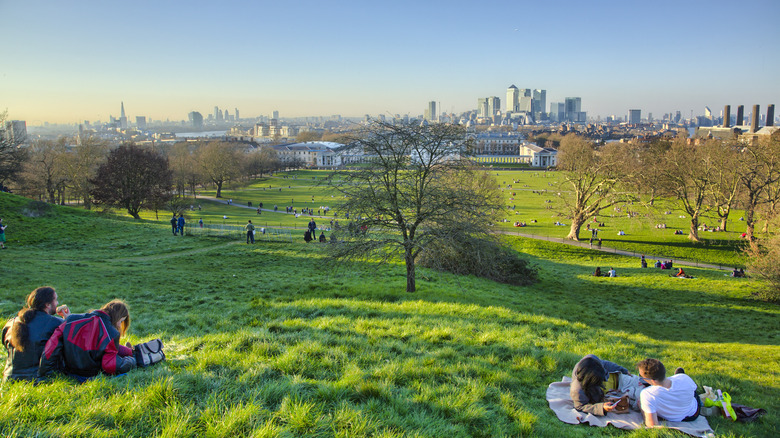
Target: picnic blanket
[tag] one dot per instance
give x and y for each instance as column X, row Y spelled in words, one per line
column 560, row 402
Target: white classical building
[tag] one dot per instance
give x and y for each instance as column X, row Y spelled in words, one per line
column 538, row 156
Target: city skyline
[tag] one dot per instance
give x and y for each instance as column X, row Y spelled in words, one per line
column 66, row 63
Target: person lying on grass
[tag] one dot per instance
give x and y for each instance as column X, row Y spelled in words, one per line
column 673, row 398
column 88, row 343
column 25, row 335
column 588, row 377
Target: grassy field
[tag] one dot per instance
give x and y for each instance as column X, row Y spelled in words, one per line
column 530, row 195
column 275, row 340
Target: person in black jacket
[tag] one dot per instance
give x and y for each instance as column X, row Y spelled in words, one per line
column 586, row 386
column 89, row 343
column 25, row 335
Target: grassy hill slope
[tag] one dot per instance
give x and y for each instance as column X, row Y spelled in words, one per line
column 274, row 340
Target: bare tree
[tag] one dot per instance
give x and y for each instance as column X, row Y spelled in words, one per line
column 187, row 173
column 12, row 156
column 80, row 165
column 589, row 179
column 758, row 169
column 687, row 175
column 220, row 162
column 725, row 180
column 416, row 188
column 43, row 174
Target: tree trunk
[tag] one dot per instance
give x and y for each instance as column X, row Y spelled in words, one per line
column 219, row 189
column 694, row 234
column 723, row 220
column 410, row 274
column 574, row 231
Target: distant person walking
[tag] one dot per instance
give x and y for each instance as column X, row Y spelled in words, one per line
column 174, row 225
column 2, row 234
column 250, row 232
column 181, row 223
column 313, row 227
column 200, row 222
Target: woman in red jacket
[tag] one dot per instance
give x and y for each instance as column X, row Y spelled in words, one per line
column 88, row 343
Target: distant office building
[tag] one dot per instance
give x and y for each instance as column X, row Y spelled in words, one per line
column 16, row 132
column 275, row 115
column 573, row 110
column 707, row 113
column 539, row 103
column 237, row 117
column 220, row 116
column 196, row 120
column 557, row 112
column 488, row 107
column 512, row 99
column 634, row 116
column 140, row 122
column 482, row 107
column 216, row 113
column 430, row 112
column 524, row 102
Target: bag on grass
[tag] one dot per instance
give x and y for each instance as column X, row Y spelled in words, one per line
column 149, row 353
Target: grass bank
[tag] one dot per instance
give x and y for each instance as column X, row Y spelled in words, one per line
column 273, row 340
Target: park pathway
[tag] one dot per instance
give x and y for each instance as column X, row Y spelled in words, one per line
column 611, row 250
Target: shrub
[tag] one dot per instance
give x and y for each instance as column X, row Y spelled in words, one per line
column 480, row 257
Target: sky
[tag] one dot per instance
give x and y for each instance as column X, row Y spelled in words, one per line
column 66, row 62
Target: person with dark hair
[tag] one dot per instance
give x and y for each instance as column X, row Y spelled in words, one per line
column 89, row 343
column 598, row 272
column 174, row 225
column 180, row 224
column 671, row 398
column 250, row 232
column 586, row 389
column 25, row 335
column 312, row 227
column 323, row 239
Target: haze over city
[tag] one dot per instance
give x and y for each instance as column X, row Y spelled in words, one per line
column 70, row 62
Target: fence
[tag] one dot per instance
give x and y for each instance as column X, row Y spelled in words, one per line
column 238, row 232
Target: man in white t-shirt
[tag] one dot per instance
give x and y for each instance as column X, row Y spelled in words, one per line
column 670, row 398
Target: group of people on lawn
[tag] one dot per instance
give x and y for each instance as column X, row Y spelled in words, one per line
column 45, row 338
column 656, row 395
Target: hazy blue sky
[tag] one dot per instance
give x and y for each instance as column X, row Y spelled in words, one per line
column 71, row 61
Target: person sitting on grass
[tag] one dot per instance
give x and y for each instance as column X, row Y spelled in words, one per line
column 25, row 335
column 598, row 272
column 681, row 273
column 670, row 398
column 89, row 343
column 323, row 239
column 612, row 273
column 587, row 380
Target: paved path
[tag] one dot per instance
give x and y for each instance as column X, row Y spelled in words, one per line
column 533, row 236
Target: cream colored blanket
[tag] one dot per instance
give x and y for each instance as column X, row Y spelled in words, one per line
column 560, row 402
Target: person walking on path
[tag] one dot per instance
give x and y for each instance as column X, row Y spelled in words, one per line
column 250, row 232
column 181, row 224
column 174, row 225
column 2, row 234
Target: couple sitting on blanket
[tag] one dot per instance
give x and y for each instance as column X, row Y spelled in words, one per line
column 658, row 397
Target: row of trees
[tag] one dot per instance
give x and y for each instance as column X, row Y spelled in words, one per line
column 56, row 171
column 708, row 178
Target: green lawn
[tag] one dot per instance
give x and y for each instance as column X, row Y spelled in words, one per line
column 275, row 340
column 532, row 194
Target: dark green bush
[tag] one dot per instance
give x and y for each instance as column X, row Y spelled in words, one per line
column 485, row 258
